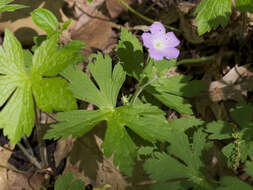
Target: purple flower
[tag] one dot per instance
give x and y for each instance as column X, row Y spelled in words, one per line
column 159, row 43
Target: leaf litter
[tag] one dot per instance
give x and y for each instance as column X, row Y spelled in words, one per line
column 226, row 82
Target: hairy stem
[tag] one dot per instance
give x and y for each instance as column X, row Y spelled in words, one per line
column 140, row 89
column 146, row 18
column 42, row 144
column 29, row 156
column 28, row 146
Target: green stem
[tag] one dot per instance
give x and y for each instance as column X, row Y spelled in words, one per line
column 30, row 157
column 27, row 144
column 12, row 169
column 197, row 60
column 146, row 18
column 140, row 89
column 42, row 145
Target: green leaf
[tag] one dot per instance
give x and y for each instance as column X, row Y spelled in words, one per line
column 11, row 8
column 171, row 91
column 164, row 167
column 50, row 60
column 249, row 168
column 130, row 53
column 242, row 114
column 45, row 20
column 76, row 122
column 145, row 150
column 17, row 116
column 185, row 164
column 211, row 14
column 181, row 85
column 172, row 101
column 233, row 183
column 219, row 130
column 28, row 56
column 145, row 120
column 118, row 141
column 17, row 87
column 109, row 82
column 185, row 123
column 244, row 5
column 4, row 2
column 65, row 25
column 52, row 94
column 66, row 182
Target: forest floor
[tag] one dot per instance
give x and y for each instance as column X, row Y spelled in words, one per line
column 226, row 61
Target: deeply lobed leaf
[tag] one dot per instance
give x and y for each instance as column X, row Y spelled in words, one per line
column 21, row 80
column 212, row 13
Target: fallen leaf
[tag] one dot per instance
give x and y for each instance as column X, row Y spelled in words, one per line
column 115, row 7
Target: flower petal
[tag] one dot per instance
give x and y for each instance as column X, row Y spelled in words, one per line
column 157, row 27
column 171, row 40
column 156, row 54
column 147, row 40
column 171, row 53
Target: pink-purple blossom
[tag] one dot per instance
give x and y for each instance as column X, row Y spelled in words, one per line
column 159, row 43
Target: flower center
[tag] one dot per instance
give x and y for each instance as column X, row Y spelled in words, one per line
column 158, row 44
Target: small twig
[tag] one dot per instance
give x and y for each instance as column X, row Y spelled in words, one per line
column 146, row 18
column 12, row 169
column 42, row 145
column 30, row 157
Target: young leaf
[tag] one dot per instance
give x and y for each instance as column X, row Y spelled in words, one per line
column 164, row 168
column 244, row 5
column 12, row 7
column 66, row 182
column 45, row 20
column 145, row 120
column 211, row 14
column 17, row 86
column 130, row 53
column 65, row 25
